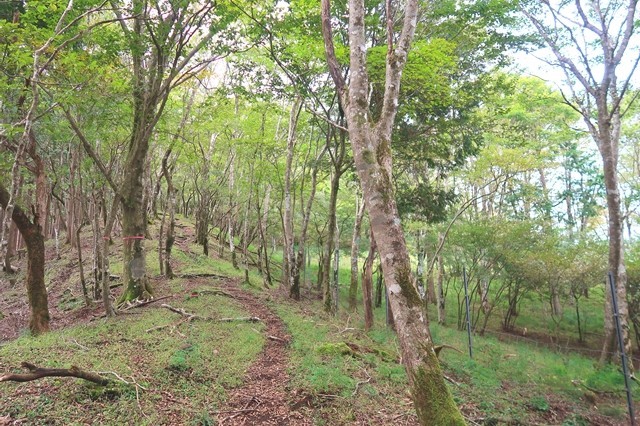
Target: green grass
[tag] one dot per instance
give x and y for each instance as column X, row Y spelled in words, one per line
column 345, row 375
column 193, row 363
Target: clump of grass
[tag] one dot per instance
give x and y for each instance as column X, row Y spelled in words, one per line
column 196, row 369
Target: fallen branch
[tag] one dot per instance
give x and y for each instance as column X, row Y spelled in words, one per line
column 450, row 380
column 36, row 373
column 222, row 277
column 191, row 316
column 355, row 391
column 215, row 292
column 143, row 303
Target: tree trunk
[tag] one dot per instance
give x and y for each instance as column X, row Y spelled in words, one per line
column 106, row 240
column 134, row 219
column 36, row 290
column 367, row 284
column 98, row 205
column 355, row 253
column 264, row 218
column 233, row 207
column 297, row 271
column 440, row 293
column 289, row 263
column 609, row 131
column 327, row 296
column 11, row 248
column 371, row 146
column 171, row 210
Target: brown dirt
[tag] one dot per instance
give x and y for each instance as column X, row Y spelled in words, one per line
column 263, row 398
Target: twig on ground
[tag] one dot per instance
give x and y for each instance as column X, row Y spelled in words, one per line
column 355, row 391
column 449, row 379
column 79, row 345
column 143, row 303
column 215, row 292
column 191, row 316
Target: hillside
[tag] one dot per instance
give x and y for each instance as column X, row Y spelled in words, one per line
column 240, row 354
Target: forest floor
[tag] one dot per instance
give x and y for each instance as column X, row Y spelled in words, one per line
column 296, row 366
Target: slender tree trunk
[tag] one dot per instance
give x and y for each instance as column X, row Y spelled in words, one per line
column 289, row 264
column 171, row 210
column 327, row 297
column 161, row 239
column 106, row 241
column 11, row 248
column 440, row 293
column 83, row 280
column 355, row 253
column 379, row 287
column 420, row 265
column 264, row 218
column 98, row 205
column 233, row 208
column 608, row 131
column 367, row 284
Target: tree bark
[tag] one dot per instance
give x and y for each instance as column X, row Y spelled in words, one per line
column 367, row 284
column 440, row 292
column 36, row 290
column 371, row 146
column 297, row 270
column 355, row 253
column 289, row 264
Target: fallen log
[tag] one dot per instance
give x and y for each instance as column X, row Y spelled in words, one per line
column 36, row 373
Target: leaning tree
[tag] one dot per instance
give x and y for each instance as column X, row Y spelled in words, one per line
column 370, row 139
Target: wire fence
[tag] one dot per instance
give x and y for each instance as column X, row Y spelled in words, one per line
column 558, row 347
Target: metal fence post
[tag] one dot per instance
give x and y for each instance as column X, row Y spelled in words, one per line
column 623, row 355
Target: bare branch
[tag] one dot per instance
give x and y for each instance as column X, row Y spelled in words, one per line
column 332, row 60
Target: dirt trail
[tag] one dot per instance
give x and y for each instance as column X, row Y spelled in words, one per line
column 263, row 399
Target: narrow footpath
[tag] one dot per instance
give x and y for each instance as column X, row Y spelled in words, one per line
column 263, row 398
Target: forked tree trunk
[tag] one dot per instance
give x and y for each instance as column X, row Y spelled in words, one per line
column 599, row 103
column 371, row 145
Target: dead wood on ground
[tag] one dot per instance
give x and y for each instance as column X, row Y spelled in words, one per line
column 36, row 373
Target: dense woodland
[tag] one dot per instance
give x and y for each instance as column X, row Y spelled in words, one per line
column 411, row 143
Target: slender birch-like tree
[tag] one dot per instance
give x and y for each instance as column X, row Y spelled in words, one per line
column 371, row 144
column 591, row 43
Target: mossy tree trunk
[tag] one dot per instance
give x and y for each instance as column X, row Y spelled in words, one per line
column 371, row 146
column 31, row 232
column 162, row 48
